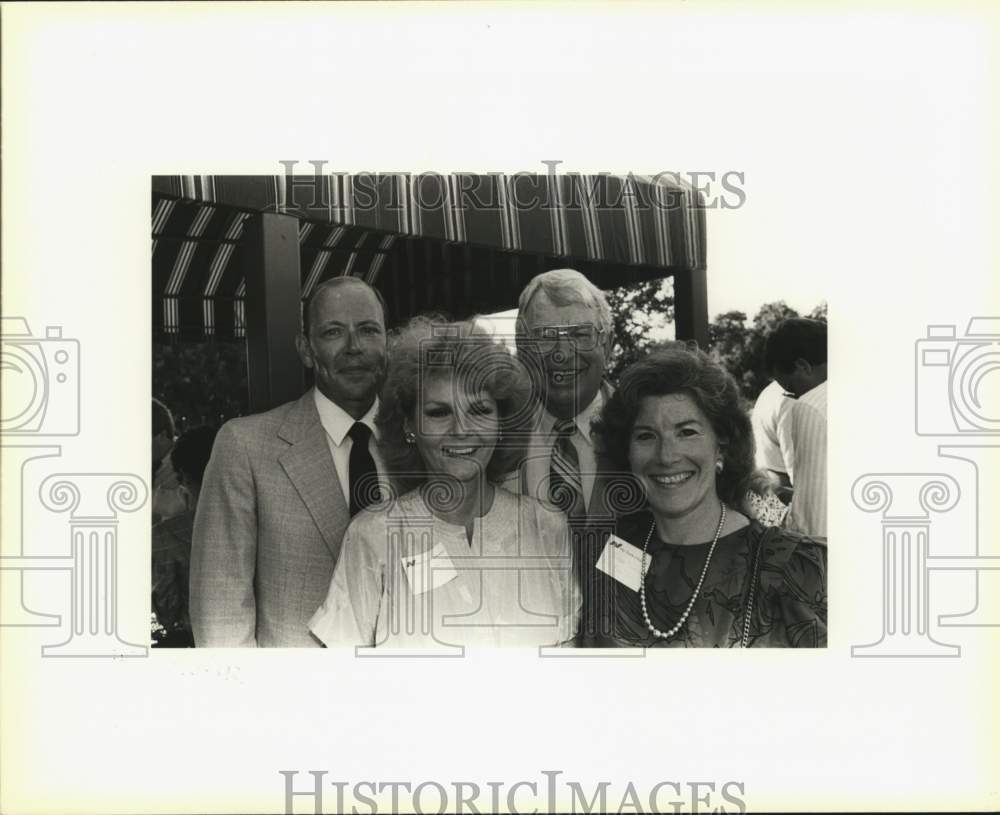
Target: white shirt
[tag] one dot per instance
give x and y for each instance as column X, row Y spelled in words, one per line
column 582, row 441
column 807, row 426
column 768, row 417
column 337, row 422
column 407, row 579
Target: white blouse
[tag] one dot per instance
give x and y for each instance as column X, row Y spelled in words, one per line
column 407, row 579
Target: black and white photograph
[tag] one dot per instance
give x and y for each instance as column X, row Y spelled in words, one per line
column 515, row 374
column 499, row 407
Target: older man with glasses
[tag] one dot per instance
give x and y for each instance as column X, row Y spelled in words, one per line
column 564, row 338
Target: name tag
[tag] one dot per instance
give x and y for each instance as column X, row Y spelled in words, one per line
column 622, row 561
column 428, row 570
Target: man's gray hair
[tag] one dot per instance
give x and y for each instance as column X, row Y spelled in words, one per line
column 564, row 287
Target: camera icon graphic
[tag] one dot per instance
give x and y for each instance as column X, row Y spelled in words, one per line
column 41, row 381
column 958, row 380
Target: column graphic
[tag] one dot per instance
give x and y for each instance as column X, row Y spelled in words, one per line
column 14, row 561
column 93, row 501
column 906, row 501
column 985, row 611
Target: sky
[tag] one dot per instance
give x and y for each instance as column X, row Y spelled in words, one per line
column 749, row 262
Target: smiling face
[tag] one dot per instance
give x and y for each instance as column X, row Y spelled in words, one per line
column 567, row 373
column 346, row 346
column 673, row 451
column 456, row 431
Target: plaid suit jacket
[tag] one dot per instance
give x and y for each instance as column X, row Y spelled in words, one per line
column 268, row 530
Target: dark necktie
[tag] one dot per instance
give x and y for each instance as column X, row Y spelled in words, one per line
column 362, row 475
column 565, row 483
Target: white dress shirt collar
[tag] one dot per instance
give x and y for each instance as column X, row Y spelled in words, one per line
column 337, row 422
column 547, row 421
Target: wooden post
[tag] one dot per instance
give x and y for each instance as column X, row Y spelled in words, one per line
column 691, row 306
column 271, row 261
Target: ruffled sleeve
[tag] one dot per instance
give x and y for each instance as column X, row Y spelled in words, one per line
column 350, row 613
column 792, row 593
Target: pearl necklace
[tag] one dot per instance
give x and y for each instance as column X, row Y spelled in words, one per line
column 642, row 582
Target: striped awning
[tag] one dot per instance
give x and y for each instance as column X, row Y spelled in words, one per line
column 456, row 244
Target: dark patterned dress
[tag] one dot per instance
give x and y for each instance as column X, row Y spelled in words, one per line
column 789, row 607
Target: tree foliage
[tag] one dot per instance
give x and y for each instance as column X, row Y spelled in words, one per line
column 201, row 382
column 740, row 348
column 642, row 315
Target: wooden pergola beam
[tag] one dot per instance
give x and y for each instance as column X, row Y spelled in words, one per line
column 691, row 306
column 271, row 260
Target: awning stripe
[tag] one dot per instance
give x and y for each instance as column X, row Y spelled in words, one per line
column 661, row 221
column 635, row 247
column 280, row 194
column 448, row 205
column 459, row 207
column 403, row 200
column 320, row 263
column 198, row 188
column 235, row 229
column 690, row 243
column 352, row 258
column 219, row 263
column 187, row 251
column 586, row 186
column 373, row 272
column 342, row 199
column 315, row 272
column 509, row 213
column 161, row 214
column 208, row 315
column 506, row 231
column 239, row 318
column 416, row 217
column 557, row 216
column 484, row 236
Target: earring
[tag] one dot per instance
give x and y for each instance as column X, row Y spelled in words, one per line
column 410, row 437
column 718, row 466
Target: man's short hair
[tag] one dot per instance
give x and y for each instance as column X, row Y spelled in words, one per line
column 162, row 419
column 335, row 283
column 564, row 287
column 795, row 338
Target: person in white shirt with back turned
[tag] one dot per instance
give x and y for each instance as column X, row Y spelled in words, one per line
column 769, row 412
column 795, row 355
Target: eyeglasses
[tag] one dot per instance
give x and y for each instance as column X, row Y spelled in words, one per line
column 582, row 336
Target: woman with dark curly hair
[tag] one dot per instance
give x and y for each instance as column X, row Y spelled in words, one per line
column 690, row 568
column 450, row 558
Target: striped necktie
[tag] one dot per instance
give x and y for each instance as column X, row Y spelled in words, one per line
column 565, row 484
